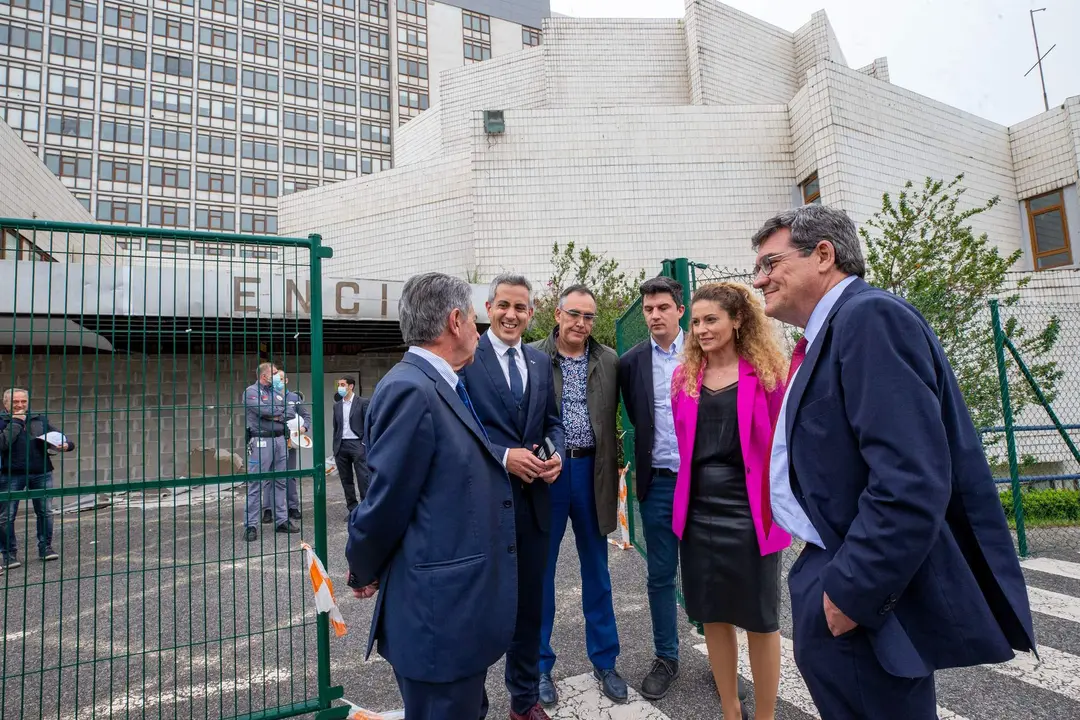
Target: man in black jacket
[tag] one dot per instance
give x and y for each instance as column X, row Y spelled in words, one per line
column 350, row 455
column 25, row 463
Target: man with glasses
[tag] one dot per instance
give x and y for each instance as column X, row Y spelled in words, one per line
column 587, row 491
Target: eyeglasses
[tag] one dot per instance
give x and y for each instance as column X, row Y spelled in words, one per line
column 578, row 315
column 768, row 262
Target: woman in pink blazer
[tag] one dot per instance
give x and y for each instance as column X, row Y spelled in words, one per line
column 726, row 396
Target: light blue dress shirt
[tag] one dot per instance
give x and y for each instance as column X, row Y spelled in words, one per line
column 665, row 447
column 441, row 366
column 787, row 513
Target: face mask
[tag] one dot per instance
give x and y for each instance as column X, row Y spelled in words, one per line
column 341, row 391
column 278, row 383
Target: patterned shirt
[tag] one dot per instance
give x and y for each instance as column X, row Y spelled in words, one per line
column 575, row 408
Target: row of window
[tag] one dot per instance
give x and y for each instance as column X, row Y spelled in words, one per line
column 123, row 210
column 69, row 165
column 261, row 11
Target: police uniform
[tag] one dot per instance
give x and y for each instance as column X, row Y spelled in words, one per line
column 265, row 420
column 294, row 405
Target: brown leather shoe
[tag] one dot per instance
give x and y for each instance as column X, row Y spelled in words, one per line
column 536, row 712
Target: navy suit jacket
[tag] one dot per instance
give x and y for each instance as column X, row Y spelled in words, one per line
column 638, row 396
column 356, row 419
column 436, row 529
column 886, row 462
column 490, row 395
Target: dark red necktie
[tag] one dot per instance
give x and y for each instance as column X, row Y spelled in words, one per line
column 797, row 357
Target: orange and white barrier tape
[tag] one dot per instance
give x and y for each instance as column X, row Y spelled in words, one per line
column 323, row 588
column 624, row 526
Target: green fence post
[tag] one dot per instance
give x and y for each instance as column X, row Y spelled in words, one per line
column 679, row 270
column 1010, row 433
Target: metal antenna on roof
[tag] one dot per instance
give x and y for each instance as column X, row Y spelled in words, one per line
column 1038, row 63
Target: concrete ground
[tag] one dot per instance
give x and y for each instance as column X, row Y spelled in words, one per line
column 161, row 610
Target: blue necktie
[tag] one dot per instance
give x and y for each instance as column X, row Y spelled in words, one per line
column 517, row 388
column 468, row 403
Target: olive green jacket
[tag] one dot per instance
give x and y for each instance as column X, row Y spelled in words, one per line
column 603, row 399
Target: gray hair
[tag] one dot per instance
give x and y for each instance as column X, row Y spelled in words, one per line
column 579, row 289
column 511, row 280
column 12, row 392
column 426, row 302
column 263, row 368
column 809, row 225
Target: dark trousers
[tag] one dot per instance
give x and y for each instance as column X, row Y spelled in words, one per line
column 523, row 656
column 352, row 464
column 843, row 675
column 573, row 499
column 663, row 564
column 459, row 700
column 9, row 510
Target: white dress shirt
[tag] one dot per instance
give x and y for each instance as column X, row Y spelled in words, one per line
column 346, row 412
column 500, row 349
column 441, row 366
column 786, row 510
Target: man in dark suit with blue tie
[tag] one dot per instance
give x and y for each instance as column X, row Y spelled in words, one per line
column 908, row 565
column 512, row 387
column 434, row 537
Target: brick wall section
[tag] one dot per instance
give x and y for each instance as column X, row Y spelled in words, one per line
column 419, row 139
column 1043, row 153
column 599, row 63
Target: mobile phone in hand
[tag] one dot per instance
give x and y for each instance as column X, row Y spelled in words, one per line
column 546, row 451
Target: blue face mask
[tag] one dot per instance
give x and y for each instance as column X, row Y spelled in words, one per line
column 342, row 391
column 278, row 383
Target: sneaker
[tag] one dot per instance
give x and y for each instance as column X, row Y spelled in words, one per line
column 288, row 527
column 268, row 517
column 657, row 683
column 295, row 514
column 49, row 554
column 12, row 564
column 251, row 534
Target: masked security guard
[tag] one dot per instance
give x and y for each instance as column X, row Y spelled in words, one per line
column 264, row 405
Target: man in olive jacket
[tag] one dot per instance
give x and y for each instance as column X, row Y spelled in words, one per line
column 587, row 491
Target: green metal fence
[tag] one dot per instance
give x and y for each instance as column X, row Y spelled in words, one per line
column 137, row 345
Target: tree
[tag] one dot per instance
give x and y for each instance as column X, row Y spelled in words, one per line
column 922, row 248
column 615, row 291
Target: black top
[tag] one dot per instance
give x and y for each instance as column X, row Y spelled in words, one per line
column 717, row 439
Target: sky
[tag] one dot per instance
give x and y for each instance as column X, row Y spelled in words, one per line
column 971, row 54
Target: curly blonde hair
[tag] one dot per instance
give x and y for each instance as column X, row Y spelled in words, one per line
column 755, row 341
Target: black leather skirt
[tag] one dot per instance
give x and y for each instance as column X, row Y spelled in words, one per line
column 724, row 577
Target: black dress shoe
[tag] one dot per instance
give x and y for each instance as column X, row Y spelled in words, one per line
column 549, row 696
column 613, row 686
column 657, row 683
column 295, row 514
column 268, row 517
column 288, row 527
column 251, row 534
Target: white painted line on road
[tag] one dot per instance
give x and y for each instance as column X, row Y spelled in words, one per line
column 1048, row 602
column 1056, row 671
column 580, row 699
column 1061, row 568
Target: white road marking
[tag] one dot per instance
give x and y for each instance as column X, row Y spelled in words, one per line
column 580, row 699
column 1048, row 602
column 1061, row 568
column 1056, row 671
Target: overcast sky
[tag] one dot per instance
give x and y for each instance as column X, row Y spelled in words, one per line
column 971, row 54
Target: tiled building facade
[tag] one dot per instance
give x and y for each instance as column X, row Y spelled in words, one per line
column 201, row 113
column 648, row 139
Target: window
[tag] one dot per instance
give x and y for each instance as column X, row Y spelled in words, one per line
column 413, row 7
column 175, row 65
column 119, row 211
column 343, row 4
column 302, row 54
column 476, row 52
column 295, row 185
column 119, row 171
column 168, row 215
column 125, row 56
column 20, row 119
column 301, row 155
column 530, row 37
column 71, row 85
column 301, row 88
column 125, row 18
column 260, row 115
column 375, row 133
column 375, row 8
column 474, row 22
column 300, row 22
column 374, row 101
column 339, row 62
column 123, row 93
column 260, row 80
column 261, row 46
column 38, row 5
column 171, row 101
column 68, row 124
column 811, row 190
column 1049, row 230
column 342, row 161
column 217, row 145
column 381, row 39
column 221, row 6
column 67, row 165
column 170, row 138
column 173, row 28
column 220, row 109
column 413, row 100
column 73, row 46
column 412, row 68
column 214, row 218
column 259, row 186
column 20, row 37
column 338, row 94
column 122, row 132
column 19, row 78
column 170, row 177
column 217, row 37
column 75, row 10
column 215, row 182
column 258, row 223
column 257, row 150
column 301, row 122
column 215, row 72
column 339, row 127
column 374, row 69
column 261, row 13
column 338, row 30
column 413, row 38
column 370, row 164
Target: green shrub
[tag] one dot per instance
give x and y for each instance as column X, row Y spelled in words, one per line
column 1051, row 506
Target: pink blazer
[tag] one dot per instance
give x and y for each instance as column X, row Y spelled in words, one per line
column 758, row 411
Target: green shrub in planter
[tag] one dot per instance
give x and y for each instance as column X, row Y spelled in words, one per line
column 1049, row 506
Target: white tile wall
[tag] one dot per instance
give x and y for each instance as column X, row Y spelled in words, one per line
column 1043, row 154
column 29, row 189
column 419, row 139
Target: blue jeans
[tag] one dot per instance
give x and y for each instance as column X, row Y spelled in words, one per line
column 572, row 498
column 42, row 509
column 662, row 558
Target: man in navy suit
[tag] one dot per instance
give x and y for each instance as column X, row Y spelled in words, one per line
column 434, row 536
column 908, row 565
column 512, row 387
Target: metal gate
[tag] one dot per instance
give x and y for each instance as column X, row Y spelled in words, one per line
column 136, row 346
